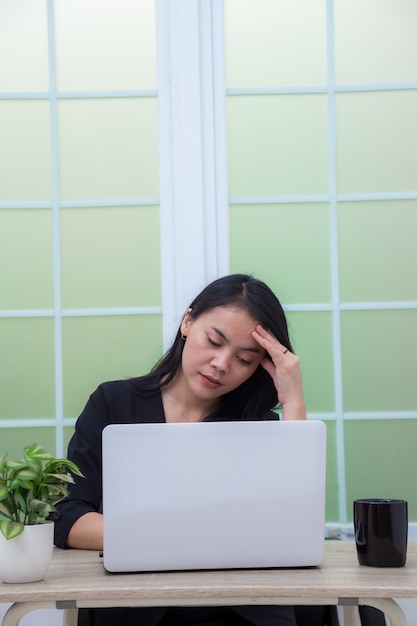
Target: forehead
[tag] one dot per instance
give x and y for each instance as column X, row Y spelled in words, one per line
column 232, row 325
column 230, row 318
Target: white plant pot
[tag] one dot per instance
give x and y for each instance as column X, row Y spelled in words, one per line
column 26, row 558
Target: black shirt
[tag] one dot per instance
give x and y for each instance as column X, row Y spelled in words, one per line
column 119, row 402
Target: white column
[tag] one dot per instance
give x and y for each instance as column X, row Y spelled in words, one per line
column 192, row 145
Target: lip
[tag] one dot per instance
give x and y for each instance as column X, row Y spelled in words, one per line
column 210, row 381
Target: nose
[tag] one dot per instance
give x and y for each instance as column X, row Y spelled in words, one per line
column 221, row 360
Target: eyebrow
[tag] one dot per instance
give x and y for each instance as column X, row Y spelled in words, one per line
column 255, row 349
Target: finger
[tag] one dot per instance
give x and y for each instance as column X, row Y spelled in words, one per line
column 269, row 367
column 268, row 341
column 264, row 337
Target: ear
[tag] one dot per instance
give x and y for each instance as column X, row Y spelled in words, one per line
column 185, row 324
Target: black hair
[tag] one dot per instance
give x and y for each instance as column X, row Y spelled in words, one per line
column 256, row 396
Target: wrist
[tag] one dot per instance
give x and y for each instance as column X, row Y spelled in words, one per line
column 294, row 411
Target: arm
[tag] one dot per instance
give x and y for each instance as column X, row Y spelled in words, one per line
column 284, row 369
column 78, row 521
column 87, row 532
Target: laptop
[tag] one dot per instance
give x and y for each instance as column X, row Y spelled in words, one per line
column 213, row 495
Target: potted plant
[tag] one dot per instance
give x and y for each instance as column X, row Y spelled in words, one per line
column 29, row 490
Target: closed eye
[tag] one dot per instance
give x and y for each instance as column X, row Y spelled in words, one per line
column 244, row 361
column 212, row 342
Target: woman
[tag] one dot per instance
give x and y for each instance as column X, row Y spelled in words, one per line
column 231, row 360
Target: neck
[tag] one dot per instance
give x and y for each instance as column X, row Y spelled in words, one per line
column 180, row 407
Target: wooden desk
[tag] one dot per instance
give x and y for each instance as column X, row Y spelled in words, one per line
column 76, row 578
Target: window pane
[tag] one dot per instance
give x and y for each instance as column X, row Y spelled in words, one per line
column 27, row 376
column 378, row 255
column 104, row 252
column 96, row 349
column 26, row 259
column 381, row 461
column 332, row 482
column 108, row 148
column 25, row 165
column 379, row 360
column 375, row 42
column 376, row 141
column 102, row 44
column 270, row 43
column 13, row 440
column 23, row 45
column 311, row 334
column 287, row 244
column 277, row 145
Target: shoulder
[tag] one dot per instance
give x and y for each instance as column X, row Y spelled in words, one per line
column 122, row 402
column 114, row 388
column 108, row 393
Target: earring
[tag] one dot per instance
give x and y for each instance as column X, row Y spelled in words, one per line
column 183, row 337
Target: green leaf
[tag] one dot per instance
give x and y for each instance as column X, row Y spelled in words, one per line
column 56, row 492
column 36, row 451
column 41, row 508
column 3, row 462
column 20, row 502
column 13, row 465
column 11, row 529
column 54, row 478
column 5, row 510
column 63, row 466
column 27, row 473
column 3, row 490
column 20, row 484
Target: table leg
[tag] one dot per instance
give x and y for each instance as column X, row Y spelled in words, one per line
column 388, row 606
column 350, row 615
column 70, row 617
column 18, row 610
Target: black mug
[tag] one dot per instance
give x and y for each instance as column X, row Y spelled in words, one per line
column 381, row 531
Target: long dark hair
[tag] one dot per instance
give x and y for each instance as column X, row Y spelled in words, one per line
column 256, row 396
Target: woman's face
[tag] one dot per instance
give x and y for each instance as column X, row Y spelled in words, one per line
column 219, row 352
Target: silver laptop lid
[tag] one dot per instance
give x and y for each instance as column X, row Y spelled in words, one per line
column 213, row 495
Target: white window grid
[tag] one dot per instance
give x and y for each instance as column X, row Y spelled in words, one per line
column 57, row 313
column 333, row 198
